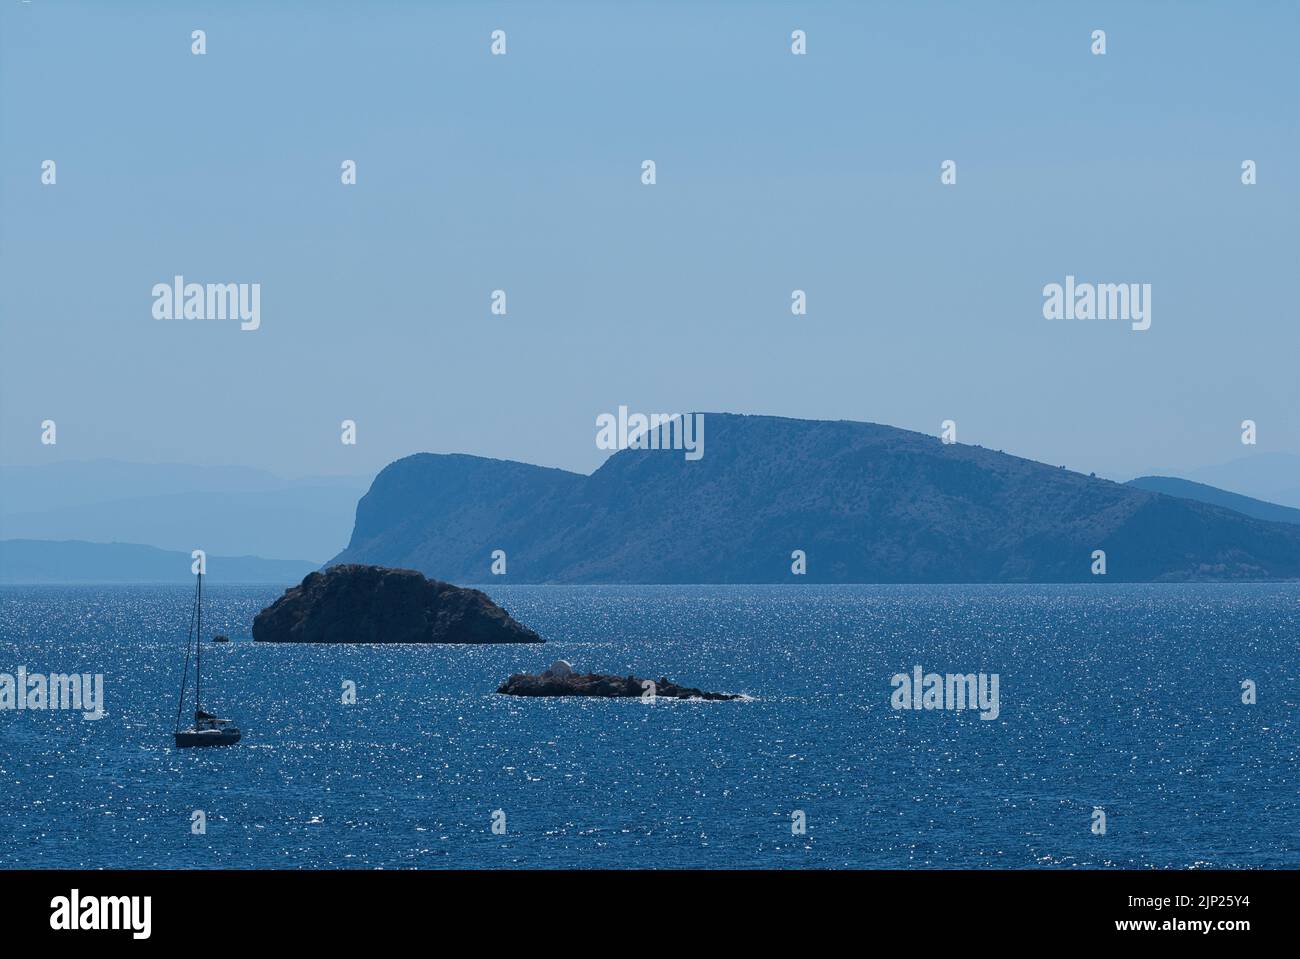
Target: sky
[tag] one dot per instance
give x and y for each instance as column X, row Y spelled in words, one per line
column 523, row 172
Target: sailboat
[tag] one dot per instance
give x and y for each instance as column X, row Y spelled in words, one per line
column 208, row 730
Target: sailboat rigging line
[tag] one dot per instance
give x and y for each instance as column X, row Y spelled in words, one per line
column 180, row 704
column 198, row 654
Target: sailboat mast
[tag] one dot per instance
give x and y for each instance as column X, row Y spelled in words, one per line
column 198, row 663
column 185, row 676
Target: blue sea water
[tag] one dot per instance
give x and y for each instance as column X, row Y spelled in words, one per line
column 1126, row 698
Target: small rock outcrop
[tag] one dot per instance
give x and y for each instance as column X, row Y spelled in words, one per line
column 374, row 604
column 555, row 682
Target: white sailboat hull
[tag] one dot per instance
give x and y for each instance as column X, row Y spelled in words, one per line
column 206, row 737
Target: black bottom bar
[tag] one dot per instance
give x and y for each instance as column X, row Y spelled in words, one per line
column 335, row 908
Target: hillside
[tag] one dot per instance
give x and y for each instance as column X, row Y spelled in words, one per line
column 867, row 503
column 1186, row 489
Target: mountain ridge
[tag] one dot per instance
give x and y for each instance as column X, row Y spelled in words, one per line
column 865, row 502
column 1205, row 493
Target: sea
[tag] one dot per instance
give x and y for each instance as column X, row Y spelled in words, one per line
column 1124, row 734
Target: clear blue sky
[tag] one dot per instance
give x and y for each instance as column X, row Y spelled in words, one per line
column 522, row 172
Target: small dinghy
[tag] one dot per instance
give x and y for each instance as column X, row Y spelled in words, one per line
column 220, row 638
column 207, row 730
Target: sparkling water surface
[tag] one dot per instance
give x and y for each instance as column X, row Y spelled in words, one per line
column 1126, row 698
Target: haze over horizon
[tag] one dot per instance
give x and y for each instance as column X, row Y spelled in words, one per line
column 477, row 172
column 1238, row 464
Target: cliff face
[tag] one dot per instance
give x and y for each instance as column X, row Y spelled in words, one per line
column 866, row 503
column 371, row 604
column 447, row 513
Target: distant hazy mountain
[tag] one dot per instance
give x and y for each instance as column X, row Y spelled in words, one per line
column 866, row 503
column 228, row 510
column 1272, row 477
column 1259, row 509
column 70, row 561
column 1290, row 497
